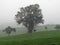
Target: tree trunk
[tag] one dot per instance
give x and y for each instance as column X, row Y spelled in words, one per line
column 30, row 27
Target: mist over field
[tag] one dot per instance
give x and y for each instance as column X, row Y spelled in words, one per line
column 29, row 22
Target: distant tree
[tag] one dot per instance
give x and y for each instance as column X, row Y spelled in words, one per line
column 8, row 30
column 57, row 27
column 30, row 16
column 46, row 27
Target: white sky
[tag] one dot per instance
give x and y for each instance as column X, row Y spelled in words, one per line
column 50, row 9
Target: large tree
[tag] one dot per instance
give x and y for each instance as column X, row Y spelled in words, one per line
column 30, row 16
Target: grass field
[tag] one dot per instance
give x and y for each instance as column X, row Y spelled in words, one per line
column 36, row 38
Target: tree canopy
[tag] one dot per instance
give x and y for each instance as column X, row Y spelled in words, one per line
column 29, row 16
column 8, row 30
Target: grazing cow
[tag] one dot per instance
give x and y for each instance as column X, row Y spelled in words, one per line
column 34, row 30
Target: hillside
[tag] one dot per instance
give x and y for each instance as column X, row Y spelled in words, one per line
column 37, row 38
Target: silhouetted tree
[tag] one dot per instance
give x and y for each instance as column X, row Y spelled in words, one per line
column 57, row 27
column 30, row 16
column 8, row 30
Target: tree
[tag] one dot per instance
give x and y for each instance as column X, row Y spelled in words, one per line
column 57, row 27
column 8, row 30
column 30, row 16
column 46, row 27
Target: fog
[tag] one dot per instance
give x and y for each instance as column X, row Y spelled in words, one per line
column 50, row 10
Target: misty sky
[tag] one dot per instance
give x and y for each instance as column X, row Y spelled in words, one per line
column 50, row 10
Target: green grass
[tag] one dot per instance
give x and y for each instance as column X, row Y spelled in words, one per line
column 37, row 38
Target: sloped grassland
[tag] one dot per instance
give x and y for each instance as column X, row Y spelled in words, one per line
column 37, row 38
